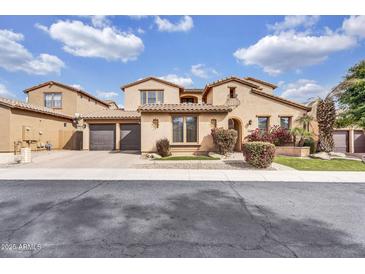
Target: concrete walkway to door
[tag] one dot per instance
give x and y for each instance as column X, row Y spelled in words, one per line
column 82, row 159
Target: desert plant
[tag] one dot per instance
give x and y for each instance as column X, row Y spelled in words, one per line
column 259, row 154
column 163, row 147
column 326, row 117
column 224, row 139
column 312, row 144
column 305, row 120
column 302, row 133
column 275, row 135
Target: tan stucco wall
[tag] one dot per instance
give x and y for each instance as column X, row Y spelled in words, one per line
column 4, row 129
column 132, row 97
column 264, row 87
column 43, row 127
column 150, row 134
column 253, row 105
column 72, row 101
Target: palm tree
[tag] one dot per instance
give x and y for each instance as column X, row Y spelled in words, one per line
column 305, row 120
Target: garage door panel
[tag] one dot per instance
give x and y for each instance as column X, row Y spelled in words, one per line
column 102, row 137
column 359, row 141
column 130, row 137
column 341, row 140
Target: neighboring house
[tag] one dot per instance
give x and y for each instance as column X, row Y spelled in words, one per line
column 155, row 109
column 346, row 140
column 50, row 115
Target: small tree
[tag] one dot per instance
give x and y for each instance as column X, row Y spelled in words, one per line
column 326, row 117
column 302, row 133
column 350, row 95
column 305, row 120
column 224, row 139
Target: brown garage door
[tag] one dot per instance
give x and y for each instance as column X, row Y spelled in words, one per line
column 341, row 138
column 102, row 137
column 359, row 141
column 130, row 137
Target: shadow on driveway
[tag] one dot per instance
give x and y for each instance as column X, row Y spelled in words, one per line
column 201, row 223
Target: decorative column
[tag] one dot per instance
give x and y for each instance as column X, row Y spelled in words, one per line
column 117, row 136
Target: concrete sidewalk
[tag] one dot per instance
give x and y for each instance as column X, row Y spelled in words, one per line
column 181, row 175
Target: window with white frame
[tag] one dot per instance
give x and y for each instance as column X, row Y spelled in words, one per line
column 53, row 100
column 152, row 97
column 185, row 129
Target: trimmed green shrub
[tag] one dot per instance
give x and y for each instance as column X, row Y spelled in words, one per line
column 259, row 154
column 163, row 147
column 224, row 139
column 312, row 144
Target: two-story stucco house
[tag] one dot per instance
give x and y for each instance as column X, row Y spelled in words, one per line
column 70, row 118
column 156, row 109
column 153, row 109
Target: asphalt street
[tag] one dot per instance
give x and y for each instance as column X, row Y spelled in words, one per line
column 86, row 218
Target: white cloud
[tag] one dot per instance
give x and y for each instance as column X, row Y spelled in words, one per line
column 140, row 31
column 303, row 89
column 4, row 92
column 201, row 71
column 106, row 94
column 181, row 81
column 77, row 86
column 185, row 24
column 294, row 21
column 355, row 25
column 107, row 42
column 15, row 57
column 292, row 51
column 100, row 21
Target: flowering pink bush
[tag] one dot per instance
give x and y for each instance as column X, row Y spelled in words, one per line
column 275, row 135
column 259, row 154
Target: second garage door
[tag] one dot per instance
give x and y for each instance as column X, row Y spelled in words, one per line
column 102, row 137
column 130, row 137
column 341, row 139
column 359, row 141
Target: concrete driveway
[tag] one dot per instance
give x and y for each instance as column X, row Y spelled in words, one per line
column 181, row 219
column 83, row 159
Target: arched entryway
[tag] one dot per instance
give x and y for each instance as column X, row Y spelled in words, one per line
column 234, row 123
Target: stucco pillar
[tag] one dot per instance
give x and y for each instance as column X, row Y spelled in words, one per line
column 351, row 141
column 85, row 137
column 117, row 136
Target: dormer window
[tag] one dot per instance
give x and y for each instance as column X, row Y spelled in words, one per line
column 53, row 100
column 152, row 97
column 232, row 92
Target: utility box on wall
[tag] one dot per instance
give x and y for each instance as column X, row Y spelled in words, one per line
column 27, row 133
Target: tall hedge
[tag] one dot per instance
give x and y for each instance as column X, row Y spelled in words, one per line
column 259, row 154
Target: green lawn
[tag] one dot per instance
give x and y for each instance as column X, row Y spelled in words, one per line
column 317, row 164
column 185, row 158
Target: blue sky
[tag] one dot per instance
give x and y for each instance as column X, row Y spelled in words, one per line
column 304, row 55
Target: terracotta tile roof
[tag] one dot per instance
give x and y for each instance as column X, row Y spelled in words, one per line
column 25, row 106
column 151, row 78
column 261, row 82
column 112, row 114
column 67, row 87
column 194, row 90
column 280, row 99
column 184, row 107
